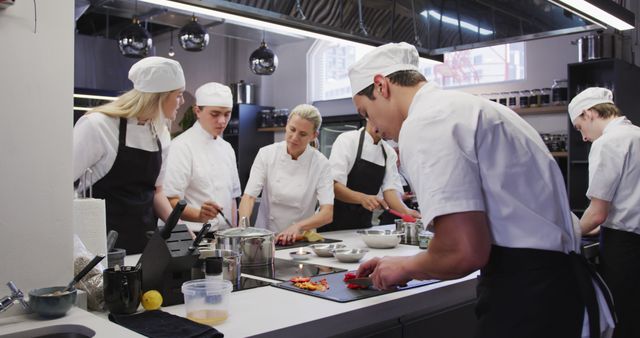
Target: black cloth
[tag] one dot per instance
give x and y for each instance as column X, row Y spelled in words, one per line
column 160, row 324
column 365, row 177
column 620, row 266
column 128, row 190
column 534, row 293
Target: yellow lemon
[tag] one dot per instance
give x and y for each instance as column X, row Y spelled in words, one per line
column 151, row 300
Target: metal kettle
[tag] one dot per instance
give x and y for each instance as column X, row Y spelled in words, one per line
column 243, row 92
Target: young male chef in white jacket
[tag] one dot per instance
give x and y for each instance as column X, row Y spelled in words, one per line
column 363, row 165
column 614, row 173
column 496, row 197
column 201, row 167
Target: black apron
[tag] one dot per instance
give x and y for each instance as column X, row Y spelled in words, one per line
column 536, row 293
column 620, row 266
column 128, row 190
column 365, row 177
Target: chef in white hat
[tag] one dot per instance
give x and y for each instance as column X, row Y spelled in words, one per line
column 495, row 195
column 201, row 167
column 125, row 143
column 614, row 173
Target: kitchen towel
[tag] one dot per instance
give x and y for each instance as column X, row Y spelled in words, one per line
column 90, row 224
column 160, row 324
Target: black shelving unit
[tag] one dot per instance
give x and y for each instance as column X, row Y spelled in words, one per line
column 245, row 138
column 622, row 78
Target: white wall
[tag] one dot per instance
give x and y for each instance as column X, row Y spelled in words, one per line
column 36, row 244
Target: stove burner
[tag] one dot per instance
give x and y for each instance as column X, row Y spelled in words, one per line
column 283, row 270
column 249, row 283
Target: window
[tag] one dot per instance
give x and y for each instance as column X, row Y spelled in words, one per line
column 329, row 63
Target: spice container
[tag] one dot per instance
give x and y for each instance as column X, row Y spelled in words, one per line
column 513, row 99
column 559, row 94
column 503, row 98
column 534, row 98
column 545, row 97
column 207, row 300
column 524, row 98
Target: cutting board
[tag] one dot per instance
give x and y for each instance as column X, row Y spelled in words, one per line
column 338, row 291
column 305, row 243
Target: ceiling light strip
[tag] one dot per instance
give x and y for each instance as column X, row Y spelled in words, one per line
column 97, row 97
column 592, row 12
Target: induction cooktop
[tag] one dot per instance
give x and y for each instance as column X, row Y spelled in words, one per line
column 283, row 270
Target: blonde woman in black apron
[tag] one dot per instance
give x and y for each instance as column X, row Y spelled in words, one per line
column 124, row 143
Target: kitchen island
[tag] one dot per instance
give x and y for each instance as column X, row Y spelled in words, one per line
column 273, row 312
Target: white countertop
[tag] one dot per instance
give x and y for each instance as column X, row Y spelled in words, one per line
column 266, row 309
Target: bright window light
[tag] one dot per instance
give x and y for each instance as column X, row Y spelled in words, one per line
column 582, row 7
column 453, row 21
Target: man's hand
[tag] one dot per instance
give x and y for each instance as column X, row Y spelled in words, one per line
column 386, row 273
column 372, row 202
column 289, row 235
column 208, row 210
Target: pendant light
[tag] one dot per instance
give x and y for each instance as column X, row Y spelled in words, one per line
column 134, row 41
column 263, row 61
column 193, row 37
column 171, row 52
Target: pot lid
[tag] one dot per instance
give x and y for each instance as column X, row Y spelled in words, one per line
column 245, row 232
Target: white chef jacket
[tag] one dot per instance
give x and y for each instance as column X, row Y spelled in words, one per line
column 343, row 157
column 614, row 173
column 290, row 188
column 95, row 144
column 201, row 168
column 481, row 156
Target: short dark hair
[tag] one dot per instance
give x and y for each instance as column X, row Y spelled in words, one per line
column 606, row 110
column 404, row 78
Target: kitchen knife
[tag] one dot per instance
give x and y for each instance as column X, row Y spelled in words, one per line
column 173, row 219
column 200, row 236
column 362, row 281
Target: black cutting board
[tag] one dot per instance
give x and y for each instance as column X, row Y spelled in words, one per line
column 298, row 244
column 338, row 291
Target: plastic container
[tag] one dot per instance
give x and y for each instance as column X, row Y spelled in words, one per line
column 424, row 237
column 207, row 300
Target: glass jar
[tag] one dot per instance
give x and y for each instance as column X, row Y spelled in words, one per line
column 494, row 97
column 513, row 99
column 534, row 98
column 503, row 98
column 545, row 97
column 524, row 98
column 559, row 94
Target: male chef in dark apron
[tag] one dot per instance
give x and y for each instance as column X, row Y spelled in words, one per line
column 614, row 173
column 495, row 195
column 363, row 165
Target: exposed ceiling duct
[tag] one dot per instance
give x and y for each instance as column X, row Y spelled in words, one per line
column 434, row 26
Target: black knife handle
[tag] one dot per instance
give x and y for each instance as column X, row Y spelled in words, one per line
column 200, row 236
column 87, row 268
column 173, row 219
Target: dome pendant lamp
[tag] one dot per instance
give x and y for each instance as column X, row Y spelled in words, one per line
column 134, row 41
column 263, row 61
column 193, row 37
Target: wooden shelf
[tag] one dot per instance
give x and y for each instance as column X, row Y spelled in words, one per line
column 271, row 129
column 559, row 154
column 541, row 110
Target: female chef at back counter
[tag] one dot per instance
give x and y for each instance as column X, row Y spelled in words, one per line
column 125, row 143
column 293, row 176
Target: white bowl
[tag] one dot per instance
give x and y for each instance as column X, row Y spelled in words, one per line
column 381, row 239
column 326, row 250
column 350, row 255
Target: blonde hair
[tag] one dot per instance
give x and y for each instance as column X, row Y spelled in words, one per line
column 137, row 104
column 309, row 113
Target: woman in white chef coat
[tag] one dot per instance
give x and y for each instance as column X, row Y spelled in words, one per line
column 363, row 166
column 614, row 173
column 201, row 167
column 480, row 158
column 124, row 143
column 293, row 177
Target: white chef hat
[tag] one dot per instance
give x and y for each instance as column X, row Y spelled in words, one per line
column 383, row 60
column 214, row 94
column 587, row 99
column 155, row 74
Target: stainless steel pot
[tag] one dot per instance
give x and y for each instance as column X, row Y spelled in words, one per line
column 597, row 46
column 410, row 229
column 231, row 265
column 243, row 92
column 257, row 246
